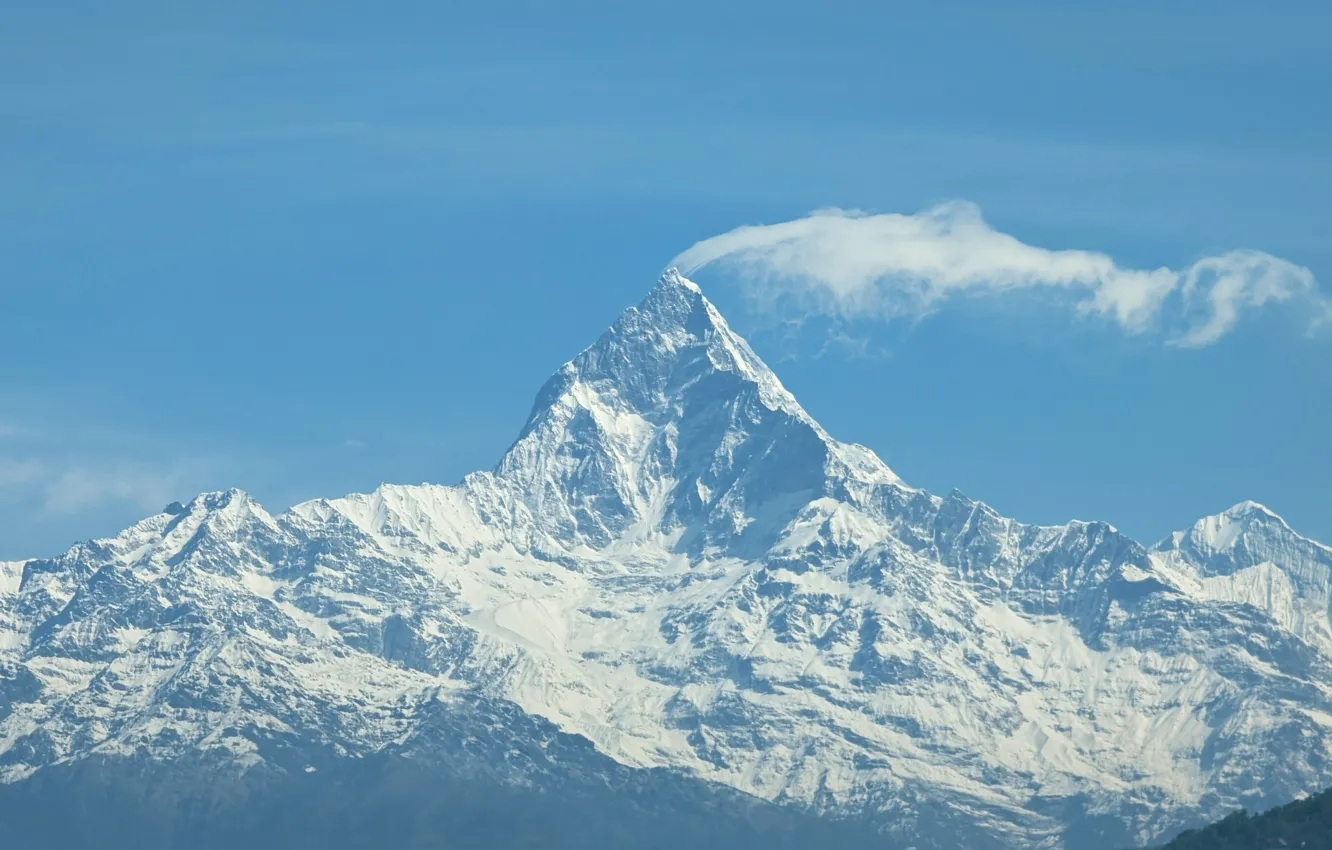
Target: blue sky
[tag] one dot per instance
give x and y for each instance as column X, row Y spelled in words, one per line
column 304, row 250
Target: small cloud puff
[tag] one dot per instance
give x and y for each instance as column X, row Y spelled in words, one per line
column 849, row 264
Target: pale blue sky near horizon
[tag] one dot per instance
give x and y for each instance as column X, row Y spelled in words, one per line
column 304, row 248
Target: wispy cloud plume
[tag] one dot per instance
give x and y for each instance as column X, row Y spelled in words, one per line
column 77, row 488
column 849, row 264
column 67, row 489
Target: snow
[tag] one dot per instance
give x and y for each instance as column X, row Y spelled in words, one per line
column 538, row 624
column 1217, row 532
column 1263, row 585
column 676, row 562
column 11, row 576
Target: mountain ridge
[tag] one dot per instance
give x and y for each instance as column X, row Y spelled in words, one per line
column 677, row 564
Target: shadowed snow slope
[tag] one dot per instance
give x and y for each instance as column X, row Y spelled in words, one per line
column 675, row 565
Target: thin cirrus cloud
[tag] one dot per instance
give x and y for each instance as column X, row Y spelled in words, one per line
column 849, row 264
column 67, row 489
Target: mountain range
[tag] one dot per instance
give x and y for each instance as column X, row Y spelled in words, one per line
column 677, row 612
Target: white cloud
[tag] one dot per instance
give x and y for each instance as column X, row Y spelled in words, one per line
column 67, row 489
column 79, row 488
column 19, row 473
column 849, row 264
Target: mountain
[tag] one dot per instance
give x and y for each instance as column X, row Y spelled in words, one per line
column 1250, row 555
column 676, row 600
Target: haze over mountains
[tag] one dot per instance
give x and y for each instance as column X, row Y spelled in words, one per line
column 676, row 603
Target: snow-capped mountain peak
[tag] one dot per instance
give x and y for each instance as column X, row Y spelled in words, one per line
column 1219, row 532
column 657, row 349
column 1249, row 554
column 1238, row 535
column 671, row 422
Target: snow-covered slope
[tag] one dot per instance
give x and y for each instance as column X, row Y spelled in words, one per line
column 675, row 562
